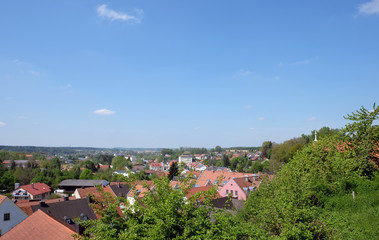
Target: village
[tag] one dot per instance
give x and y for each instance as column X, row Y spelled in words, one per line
column 64, row 208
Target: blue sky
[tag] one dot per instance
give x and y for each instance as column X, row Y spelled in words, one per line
column 183, row 73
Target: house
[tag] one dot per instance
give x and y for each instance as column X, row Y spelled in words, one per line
column 39, row 226
column 34, row 191
column 185, row 158
column 139, row 190
column 196, row 166
column 219, row 178
column 116, row 189
column 18, row 163
column 121, row 172
column 156, row 166
column 10, row 215
column 241, row 187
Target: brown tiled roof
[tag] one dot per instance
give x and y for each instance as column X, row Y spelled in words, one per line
column 39, row 226
column 119, row 189
column 67, row 209
column 36, row 188
column 246, row 182
column 26, row 205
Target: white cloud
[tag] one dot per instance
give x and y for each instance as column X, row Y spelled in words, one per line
column 261, row 118
column 104, row 111
column 196, row 128
column 369, row 8
column 252, row 128
column 312, row 119
column 249, row 107
column 104, row 11
column 2, row 124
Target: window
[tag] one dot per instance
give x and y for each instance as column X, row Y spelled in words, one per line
column 236, row 193
column 7, row 217
column 227, row 191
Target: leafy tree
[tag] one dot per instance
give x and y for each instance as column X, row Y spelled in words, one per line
column 363, row 136
column 86, row 174
column 225, row 161
column 173, row 170
column 266, row 149
column 166, row 213
column 218, row 149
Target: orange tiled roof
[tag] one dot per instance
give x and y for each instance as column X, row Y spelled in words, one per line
column 36, row 188
column 39, row 226
column 2, row 198
column 213, row 176
column 139, row 187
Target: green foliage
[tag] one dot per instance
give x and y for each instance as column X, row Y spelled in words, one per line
column 173, row 170
column 121, row 162
column 165, row 213
column 266, row 149
column 86, row 174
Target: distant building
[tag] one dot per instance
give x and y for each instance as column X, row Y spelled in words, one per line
column 185, row 159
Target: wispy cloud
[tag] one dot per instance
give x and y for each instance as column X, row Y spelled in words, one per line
column 369, row 8
column 2, row 124
column 242, row 73
column 312, row 119
column 196, row 128
column 261, row 118
column 251, row 129
column 249, row 107
column 22, row 117
column 104, row 111
column 105, row 12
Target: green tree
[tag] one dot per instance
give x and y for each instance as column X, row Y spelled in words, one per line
column 225, row 161
column 266, row 149
column 218, row 149
column 86, row 174
column 173, row 170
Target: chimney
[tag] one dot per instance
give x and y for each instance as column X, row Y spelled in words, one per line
column 16, row 185
column 247, row 178
column 119, row 185
column 66, row 198
column 42, row 204
column 32, row 185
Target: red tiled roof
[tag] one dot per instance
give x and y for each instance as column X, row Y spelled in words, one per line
column 39, row 226
column 36, row 188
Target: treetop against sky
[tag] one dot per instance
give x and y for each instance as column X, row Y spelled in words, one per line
column 183, row 73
